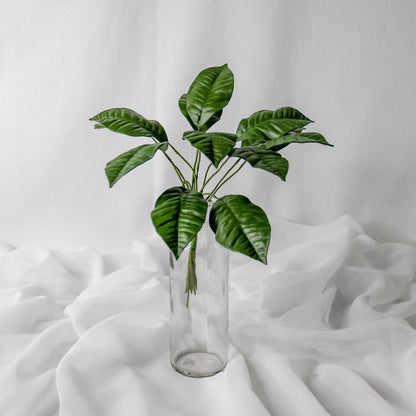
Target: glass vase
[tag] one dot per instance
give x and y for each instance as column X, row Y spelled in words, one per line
column 199, row 307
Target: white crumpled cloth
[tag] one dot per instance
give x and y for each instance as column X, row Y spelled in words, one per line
column 325, row 329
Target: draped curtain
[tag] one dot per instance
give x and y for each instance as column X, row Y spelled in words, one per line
column 350, row 66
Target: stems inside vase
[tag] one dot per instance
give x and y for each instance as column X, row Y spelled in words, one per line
column 191, row 281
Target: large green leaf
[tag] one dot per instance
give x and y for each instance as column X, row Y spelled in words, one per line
column 307, row 137
column 255, row 142
column 241, row 226
column 264, row 159
column 178, row 216
column 129, row 160
column 184, row 111
column 267, row 124
column 209, row 93
column 215, row 146
column 207, row 125
column 211, row 121
column 280, row 113
column 290, row 112
column 126, row 121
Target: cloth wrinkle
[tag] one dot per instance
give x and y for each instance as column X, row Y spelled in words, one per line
column 326, row 328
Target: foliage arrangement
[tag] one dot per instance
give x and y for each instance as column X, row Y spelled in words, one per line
column 180, row 212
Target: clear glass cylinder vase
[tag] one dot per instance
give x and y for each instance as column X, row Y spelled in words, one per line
column 199, row 321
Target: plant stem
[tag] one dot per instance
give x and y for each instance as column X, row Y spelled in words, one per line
column 191, row 281
column 197, row 167
column 195, row 170
column 205, row 176
column 177, row 170
column 210, row 194
column 223, row 180
column 177, row 152
column 219, row 168
column 217, row 186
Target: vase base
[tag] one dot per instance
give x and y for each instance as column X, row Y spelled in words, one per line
column 198, row 364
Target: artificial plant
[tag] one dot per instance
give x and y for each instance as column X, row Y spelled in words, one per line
column 180, row 212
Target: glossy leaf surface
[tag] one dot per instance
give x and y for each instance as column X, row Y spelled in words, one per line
column 129, row 160
column 182, row 106
column 256, row 142
column 126, row 121
column 209, row 93
column 307, row 137
column 241, row 226
column 184, row 111
column 264, row 159
column 178, row 216
column 215, row 146
column 267, row 124
column 290, row 113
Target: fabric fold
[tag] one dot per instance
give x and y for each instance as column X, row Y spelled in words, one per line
column 327, row 328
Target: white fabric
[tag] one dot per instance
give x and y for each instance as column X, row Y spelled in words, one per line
column 324, row 329
column 349, row 65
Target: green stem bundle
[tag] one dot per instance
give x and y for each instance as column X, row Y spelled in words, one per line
column 191, row 275
column 191, row 280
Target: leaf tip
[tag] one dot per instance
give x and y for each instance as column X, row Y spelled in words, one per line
column 175, row 255
column 111, row 181
column 263, row 259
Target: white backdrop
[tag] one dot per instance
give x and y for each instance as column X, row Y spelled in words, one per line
column 349, row 65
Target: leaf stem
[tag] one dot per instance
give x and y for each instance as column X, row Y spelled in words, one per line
column 224, row 179
column 205, row 176
column 217, row 171
column 191, row 281
column 178, row 171
column 210, row 194
column 194, row 172
column 177, row 152
column 198, row 164
column 184, row 182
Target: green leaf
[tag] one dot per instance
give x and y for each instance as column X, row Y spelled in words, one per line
column 211, row 121
column 129, row 160
column 209, row 93
column 290, row 112
column 241, row 226
column 178, row 216
column 182, row 106
column 215, row 146
column 267, row 124
column 308, row 137
column 263, row 159
column 184, row 111
column 126, row 121
column 256, row 142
